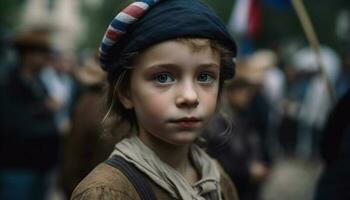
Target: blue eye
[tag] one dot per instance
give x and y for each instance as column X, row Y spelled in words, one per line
column 205, row 77
column 163, row 78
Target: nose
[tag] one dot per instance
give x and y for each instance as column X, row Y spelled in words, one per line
column 187, row 96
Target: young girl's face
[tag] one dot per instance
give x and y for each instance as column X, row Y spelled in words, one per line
column 174, row 91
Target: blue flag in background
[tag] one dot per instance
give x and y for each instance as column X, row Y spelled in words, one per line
column 277, row 4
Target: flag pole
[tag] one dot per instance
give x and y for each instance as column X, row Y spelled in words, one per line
column 314, row 43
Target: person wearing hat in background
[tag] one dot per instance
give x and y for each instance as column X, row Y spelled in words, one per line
column 308, row 101
column 29, row 137
column 166, row 63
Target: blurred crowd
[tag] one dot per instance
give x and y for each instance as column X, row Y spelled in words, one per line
column 276, row 108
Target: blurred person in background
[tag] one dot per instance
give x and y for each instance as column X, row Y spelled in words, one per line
column 307, row 100
column 30, row 139
column 6, row 53
column 269, row 82
column 58, row 80
column 62, row 87
column 334, row 182
column 86, row 145
column 242, row 143
column 343, row 81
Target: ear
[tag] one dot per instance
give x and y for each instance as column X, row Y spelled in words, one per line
column 125, row 99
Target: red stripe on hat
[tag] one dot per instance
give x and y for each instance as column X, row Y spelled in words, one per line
column 134, row 11
column 112, row 35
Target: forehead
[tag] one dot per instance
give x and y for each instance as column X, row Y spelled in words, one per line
column 195, row 44
column 181, row 52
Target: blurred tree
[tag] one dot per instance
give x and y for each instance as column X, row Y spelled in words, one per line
column 9, row 9
column 222, row 8
column 97, row 19
column 322, row 13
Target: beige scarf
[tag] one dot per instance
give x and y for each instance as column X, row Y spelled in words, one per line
column 136, row 152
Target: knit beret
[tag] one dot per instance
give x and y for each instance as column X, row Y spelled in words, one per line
column 148, row 22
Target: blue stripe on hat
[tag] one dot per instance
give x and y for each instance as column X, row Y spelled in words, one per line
column 105, row 47
column 119, row 25
column 150, row 2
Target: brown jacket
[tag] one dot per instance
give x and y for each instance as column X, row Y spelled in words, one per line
column 107, row 182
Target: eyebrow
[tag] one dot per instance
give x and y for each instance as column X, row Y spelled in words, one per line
column 210, row 65
column 171, row 66
column 164, row 65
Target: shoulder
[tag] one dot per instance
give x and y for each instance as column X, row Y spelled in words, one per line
column 228, row 188
column 105, row 182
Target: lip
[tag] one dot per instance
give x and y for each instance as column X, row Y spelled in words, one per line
column 186, row 122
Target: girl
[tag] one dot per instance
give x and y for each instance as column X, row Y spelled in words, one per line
column 166, row 62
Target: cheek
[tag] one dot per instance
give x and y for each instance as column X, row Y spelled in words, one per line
column 209, row 102
column 150, row 106
column 155, row 108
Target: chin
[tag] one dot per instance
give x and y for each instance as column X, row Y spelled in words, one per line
column 185, row 139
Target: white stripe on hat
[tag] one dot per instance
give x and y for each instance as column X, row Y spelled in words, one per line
column 142, row 5
column 125, row 18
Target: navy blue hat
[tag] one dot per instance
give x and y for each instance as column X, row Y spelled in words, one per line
column 147, row 22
